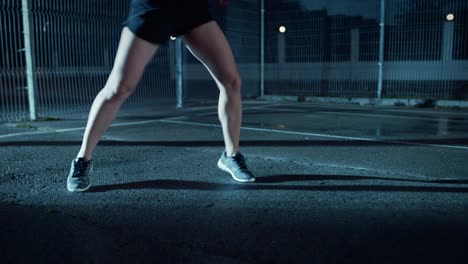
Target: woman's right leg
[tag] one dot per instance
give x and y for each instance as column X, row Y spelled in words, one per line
column 132, row 57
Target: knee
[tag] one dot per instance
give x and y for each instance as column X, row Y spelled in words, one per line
column 233, row 85
column 119, row 90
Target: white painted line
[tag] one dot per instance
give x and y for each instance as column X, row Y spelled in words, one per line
column 112, row 125
column 287, row 110
column 426, row 112
column 426, row 145
column 207, row 114
column 244, row 109
column 83, row 128
column 382, row 108
column 172, row 120
column 349, row 167
column 387, row 116
column 25, row 133
column 116, row 125
column 134, row 123
column 274, row 131
column 329, row 106
column 176, row 117
column 323, row 135
column 188, row 123
column 68, row 129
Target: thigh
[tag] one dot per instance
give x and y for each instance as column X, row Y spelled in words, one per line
column 208, row 43
column 132, row 57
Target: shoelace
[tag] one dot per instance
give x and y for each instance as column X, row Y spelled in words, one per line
column 80, row 168
column 240, row 161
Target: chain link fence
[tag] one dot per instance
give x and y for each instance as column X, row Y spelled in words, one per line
column 74, row 44
column 332, row 48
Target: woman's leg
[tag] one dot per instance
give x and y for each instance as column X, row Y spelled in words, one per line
column 208, row 44
column 132, row 57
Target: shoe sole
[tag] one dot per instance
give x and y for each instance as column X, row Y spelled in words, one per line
column 223, row 167
column 77, row 189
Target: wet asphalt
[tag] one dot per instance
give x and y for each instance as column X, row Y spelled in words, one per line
column 335, row 184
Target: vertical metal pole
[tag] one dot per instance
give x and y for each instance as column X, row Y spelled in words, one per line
column 262, row 48
column 281, row 39
column 355, row 32
column 447, row 45
column 30, row 61
column 381, row 48
column 178, row 69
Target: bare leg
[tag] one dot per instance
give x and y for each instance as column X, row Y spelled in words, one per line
column 132, row 57
column 208, row 44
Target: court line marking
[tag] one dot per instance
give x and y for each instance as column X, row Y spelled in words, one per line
column 171, row 120
column 270, row 130
column 352, row 167
column 393, row 116
column 83, row 128
column 273, row 110
column 25, row 133
column 383, row 108
column 287, row 110
column 368, row 115
column 321, row 135
column 62, row 130
column 244, row 109
column 435, row 118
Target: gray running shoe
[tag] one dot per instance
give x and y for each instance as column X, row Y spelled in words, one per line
column 78, row 180
column 235, row 165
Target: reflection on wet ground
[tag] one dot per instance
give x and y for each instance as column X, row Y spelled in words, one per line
column 364, row 122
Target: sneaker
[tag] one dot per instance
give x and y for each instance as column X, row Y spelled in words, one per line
column 235, row 165
column 78, row 180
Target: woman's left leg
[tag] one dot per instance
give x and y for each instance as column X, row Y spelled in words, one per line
column 208, row 44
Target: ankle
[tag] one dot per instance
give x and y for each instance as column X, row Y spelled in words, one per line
column 231, row 153
column 84, row 157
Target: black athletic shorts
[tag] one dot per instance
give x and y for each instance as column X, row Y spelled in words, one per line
column 156, row 20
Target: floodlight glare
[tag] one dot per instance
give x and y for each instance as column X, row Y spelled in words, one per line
column 282, row 29
column 450, row 17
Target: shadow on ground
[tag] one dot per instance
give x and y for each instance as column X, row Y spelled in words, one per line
column 262, row 184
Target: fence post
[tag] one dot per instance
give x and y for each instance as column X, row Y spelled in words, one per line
column 381, row 48
column 281, row 48
column 262, row 48
column 447, row 46
column 355, row 45
column 30, row 61
column 178, row 58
